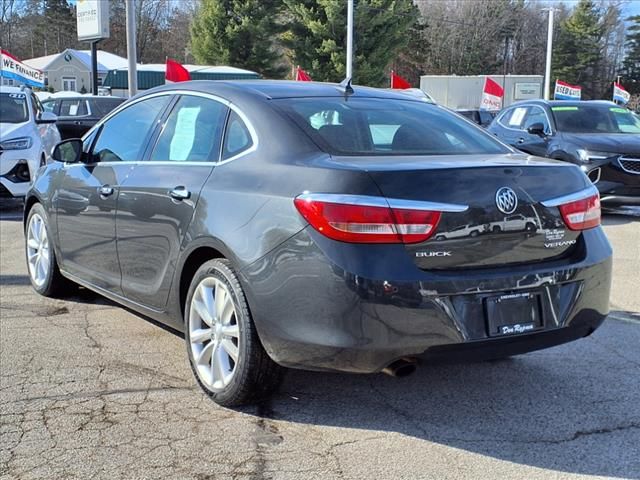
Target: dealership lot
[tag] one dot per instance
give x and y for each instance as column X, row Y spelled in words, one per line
column 91, row 390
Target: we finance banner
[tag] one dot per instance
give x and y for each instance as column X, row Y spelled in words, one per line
column 564, row 91
column 11, row 67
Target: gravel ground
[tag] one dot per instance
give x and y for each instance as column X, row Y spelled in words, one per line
column 91, row 390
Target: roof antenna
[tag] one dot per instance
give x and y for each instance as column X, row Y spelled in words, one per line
column 345, row 86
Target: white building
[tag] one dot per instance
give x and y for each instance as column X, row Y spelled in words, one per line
column 71, row 70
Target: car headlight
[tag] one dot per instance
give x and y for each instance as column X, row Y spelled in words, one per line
column 21, row 143
column 590, row 155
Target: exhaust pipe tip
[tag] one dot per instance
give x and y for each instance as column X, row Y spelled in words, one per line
column 401, row 368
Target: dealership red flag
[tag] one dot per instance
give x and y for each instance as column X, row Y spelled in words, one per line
column 492, row 95
column 176, row 72
column 302, row 76
column 398, row 82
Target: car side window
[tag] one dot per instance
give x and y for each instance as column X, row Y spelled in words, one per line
column 73, row 108
column 36, row 106
column 192, row 131
column 536, row 115
column 513, row 118
column 124, row 136
column 49, row 106
column 237, row 137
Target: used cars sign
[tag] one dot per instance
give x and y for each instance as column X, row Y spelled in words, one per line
column 93, row 19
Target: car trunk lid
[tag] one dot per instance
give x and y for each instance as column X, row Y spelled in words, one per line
column 489, row 232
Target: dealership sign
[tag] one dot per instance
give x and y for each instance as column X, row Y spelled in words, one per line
column 564, row 91
column 526, row 91
column 14, row 69
column 93, row 19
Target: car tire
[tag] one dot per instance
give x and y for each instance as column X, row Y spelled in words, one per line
column 224, row 350
column 42, row 264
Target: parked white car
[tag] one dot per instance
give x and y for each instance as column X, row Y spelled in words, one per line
column 514, row 223
column 27, row 137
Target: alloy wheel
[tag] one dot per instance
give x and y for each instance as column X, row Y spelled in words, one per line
column 38, row 250
column 214, row 334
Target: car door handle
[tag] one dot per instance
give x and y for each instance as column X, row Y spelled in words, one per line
column 77, row 122
column 179, row 193
column 106, row 190
column 521, row 140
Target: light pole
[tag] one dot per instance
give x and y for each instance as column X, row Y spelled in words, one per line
column 349, row 39
column 547, row 72
column 130, row 14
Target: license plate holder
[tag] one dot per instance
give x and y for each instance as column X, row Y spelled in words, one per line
column 514, row 314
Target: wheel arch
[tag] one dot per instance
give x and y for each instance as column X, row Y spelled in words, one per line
column 29, row 202
column 200, row 252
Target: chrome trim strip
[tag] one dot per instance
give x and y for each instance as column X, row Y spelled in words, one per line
column 598, row 171
column 372, row 201
column 210, row 96
column 572, row 197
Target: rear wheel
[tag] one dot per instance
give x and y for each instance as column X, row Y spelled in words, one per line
column 42, row 265
column 224, row 350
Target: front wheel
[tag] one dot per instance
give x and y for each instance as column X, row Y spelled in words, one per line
column 44, row 274
column 224, row 350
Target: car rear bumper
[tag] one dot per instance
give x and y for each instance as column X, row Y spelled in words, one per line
column 318, row 304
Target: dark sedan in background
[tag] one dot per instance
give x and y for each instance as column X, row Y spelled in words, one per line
column 601, row 137
column 318, row 226
column 76, row 115
column 481, row 117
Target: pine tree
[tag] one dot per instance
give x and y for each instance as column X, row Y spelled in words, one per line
column 240, row 33
column 317, row 34
column 577, row 50
column 631, row 65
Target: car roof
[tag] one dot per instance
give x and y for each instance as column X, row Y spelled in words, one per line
column 10, row 89
column 274, row 89
column 565, row 103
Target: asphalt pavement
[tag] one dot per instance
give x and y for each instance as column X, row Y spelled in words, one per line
column 91, row 390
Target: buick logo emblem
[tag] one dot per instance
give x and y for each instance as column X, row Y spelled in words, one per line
column 506, row 200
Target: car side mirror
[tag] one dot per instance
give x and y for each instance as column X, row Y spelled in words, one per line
column 69, row 151
column 537, row 129
column 47, row 117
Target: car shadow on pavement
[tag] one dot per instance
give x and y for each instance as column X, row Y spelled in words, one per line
column 568, row 409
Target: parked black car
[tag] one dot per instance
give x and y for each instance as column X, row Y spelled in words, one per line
column 306, row 225
column 76, row 115
column 481, row 117
column 601, row 137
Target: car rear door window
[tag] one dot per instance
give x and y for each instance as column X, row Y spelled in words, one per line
column 73, row 108
column 124, row 136
column 237, row 137
column 192, row 132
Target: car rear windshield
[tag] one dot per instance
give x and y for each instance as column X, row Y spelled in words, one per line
column 379, row 126
column 595, row 119
column 13, row 108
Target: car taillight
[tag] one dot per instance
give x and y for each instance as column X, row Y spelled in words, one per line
column 347, row 219
column 582, row 214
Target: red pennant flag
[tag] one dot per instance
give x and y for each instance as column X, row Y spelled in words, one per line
column 398, row 82
column 302, row 76
column 492, row 95
column 176, row 72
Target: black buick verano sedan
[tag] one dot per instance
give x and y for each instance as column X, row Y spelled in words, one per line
column 320, row 227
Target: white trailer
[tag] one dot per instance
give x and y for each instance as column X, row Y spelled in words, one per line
column 465, row 92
